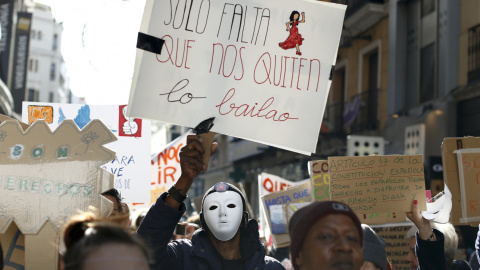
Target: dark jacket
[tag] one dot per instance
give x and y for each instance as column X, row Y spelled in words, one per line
column 431, row 254
column 157, row 229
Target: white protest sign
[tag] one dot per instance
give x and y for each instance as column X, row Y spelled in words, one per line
column 166, row 167
column 131, row 166
column 262, row 78
column 267, row 184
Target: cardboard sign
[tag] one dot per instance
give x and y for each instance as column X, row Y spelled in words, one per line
column 378, row 184
column 284, row 203
column 268, row 183
column 382, row 218
column 239, row 63
column 320, row 184
column 469, row 176
column 59, row 173
column 320, row 180
column 397, row 247
column 451, row 176
column 131, row 164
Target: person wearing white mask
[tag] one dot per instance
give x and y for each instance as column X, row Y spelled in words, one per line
column 227, row 239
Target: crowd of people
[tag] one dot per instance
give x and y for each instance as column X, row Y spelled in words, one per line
column 323, row 235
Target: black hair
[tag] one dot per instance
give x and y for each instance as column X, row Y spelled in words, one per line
column 84, row 237
column 293, row 15
column 118, row 197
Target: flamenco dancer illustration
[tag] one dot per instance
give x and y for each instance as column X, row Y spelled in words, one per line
column 295, row 39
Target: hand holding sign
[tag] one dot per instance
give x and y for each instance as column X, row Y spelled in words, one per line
column 423, row 225
column 191, row 164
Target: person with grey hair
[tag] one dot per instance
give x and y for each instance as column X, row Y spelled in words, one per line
column 432, row 245
column 374, row 253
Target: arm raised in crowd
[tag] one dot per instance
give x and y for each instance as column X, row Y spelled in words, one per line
column 159, row 223
column 429, row 246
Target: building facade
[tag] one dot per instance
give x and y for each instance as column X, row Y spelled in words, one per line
column 47, row 78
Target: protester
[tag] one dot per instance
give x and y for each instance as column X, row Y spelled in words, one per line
column 374, row 253
column 475, row 258
column 114, row 196
column 433, row 246
column 126, row 211
column 139, row 220
column 227, row 239
column 95, row 244
column 195, row 219
column 325, row 235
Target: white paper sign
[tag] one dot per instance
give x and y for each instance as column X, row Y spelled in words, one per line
column 131, row 166
column 262, row 78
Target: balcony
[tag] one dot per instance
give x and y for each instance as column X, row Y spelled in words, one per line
column 353, row 117
column 367, row 118
column 362, row 14
column 474, row 54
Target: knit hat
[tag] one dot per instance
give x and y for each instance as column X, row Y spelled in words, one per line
column 306, row 217
column 374, row 248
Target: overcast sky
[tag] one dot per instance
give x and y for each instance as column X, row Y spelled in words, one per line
column 98, row 44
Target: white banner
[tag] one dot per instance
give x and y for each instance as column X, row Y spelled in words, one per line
column 261, row 68
column 131, row 164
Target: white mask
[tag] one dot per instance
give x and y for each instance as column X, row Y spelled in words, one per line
column 223, row 212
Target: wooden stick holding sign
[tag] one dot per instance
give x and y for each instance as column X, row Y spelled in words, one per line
column 203, row 130
column 378, row 184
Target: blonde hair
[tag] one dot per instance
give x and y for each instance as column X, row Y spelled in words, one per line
column 450, row 235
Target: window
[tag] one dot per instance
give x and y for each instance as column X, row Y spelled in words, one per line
column 427, row 73
column 428, row 6
column 32, row 94
column 52, row 71
column 50, row 97
column 39, row 35
column 36, row 65
column 474, row 54
column 55, row 42
column 30, row 64
column 33, row 34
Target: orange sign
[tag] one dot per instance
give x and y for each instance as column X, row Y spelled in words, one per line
column 40, row 113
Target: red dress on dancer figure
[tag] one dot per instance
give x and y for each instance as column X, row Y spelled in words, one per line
column 293, row 39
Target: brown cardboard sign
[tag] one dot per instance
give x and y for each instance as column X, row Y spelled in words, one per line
column 469, row 176
column 451, row 174
column 49, row 176
column 378, row 184
column 4, row 118
column 320, row 180
column 396, row 245
column 285, row 199
column 382, row 218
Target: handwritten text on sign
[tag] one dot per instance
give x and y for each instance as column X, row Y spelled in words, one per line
column 225, row 60
column 378, row 184
column 469, row 176
column 320, row 180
